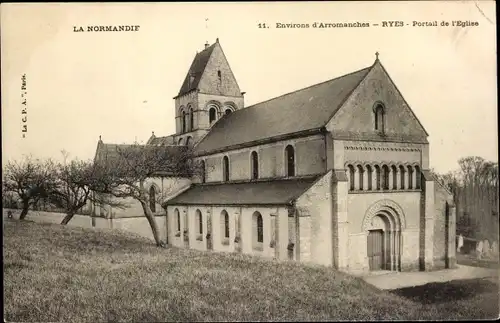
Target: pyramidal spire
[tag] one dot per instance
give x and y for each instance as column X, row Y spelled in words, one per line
column 195, row 79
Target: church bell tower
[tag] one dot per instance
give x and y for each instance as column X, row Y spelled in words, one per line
column 209, row 92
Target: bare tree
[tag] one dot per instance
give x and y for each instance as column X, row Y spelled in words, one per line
column 126, row 168
column 30, row 179
column 75, row 180
column 475, row 193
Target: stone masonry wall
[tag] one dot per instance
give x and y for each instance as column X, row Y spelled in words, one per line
column 443, row 235
column 316, row 204
column 309, row 160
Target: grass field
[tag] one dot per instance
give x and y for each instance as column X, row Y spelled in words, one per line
column 57, row 273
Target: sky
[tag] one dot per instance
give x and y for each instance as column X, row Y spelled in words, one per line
column 120, row 85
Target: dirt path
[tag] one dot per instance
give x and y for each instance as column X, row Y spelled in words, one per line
column 409, row 279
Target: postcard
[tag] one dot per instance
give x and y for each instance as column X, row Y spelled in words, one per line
column 250, row 161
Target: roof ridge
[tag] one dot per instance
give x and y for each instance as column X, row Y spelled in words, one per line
column 305, row 88
column 205, row 51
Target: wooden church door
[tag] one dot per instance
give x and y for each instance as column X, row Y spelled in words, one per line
column 376, row 249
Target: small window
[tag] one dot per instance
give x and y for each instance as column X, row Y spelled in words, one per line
column 260, row 228
column 361, row 173
column 394, row 170
column 255, row 165
column 219, row 74
column 184, row 121
column 377, row 177
column 178, row 219
column 200, row 221
column 385, row 177
column 226, row 225
column 225, row 168
column 379, row 118
column 351, row 177
column 212, row 114
column 228, row 111
column 290, row 160
column 402, row 172
column 224, row 221
column 417, row 177
column 410, row 177
column 189, row 141
column 369, row 172
column 203, row 171
column 191, row 119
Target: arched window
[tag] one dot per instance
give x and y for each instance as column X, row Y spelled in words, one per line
column 394, row 177
column 180, row 142
column 369, row 173
column 199, row 220
column 385, row 177
column 152, row 199
column 259, row 227
column 350, row 168
column 212, row 114
column 203, row 171
column 379, row 118
column 191, row 119
column 178, row 219
column 410, row 177
column 184, row 124
column 228, row 111
column 361, row 173
column 254, row 165
column 418, row 177
column 224, row 222
column 290, row 160
column 225, row 168
column 402, row 177
column 377, row 177
column 189, row 141
column 219, row 75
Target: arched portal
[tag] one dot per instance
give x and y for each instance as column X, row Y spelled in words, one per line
column 383, row 224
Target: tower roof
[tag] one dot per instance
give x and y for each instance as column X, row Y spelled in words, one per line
column 196, row 70
column 210, row 73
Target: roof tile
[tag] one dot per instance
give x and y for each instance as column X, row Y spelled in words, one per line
column 274, row 192
column 305, row 109
column 196, row 70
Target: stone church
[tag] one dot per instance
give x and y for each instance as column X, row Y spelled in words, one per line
column 335, row 174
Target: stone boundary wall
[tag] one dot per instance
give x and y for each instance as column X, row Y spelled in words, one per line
column 137, row 225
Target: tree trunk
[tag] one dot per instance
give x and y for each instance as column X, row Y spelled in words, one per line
column 67, row 218
column 152, row 222
column 26, row 206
